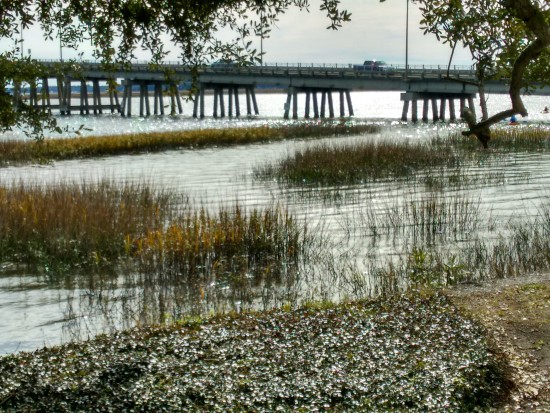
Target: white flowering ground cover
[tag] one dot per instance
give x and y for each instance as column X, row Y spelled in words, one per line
column 411, row 353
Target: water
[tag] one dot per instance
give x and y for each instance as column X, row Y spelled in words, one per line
column 34, row 313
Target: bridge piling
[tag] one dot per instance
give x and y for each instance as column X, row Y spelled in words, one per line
column 425, row 109
column 415, row 110
column 410, row 99
column 254, row 101
column 84, row 103
column 350, row 105
column 46, row 101
column 219, row 104
column 308, row 96
column 323, row 102
column 315, row 106
column 311, row 100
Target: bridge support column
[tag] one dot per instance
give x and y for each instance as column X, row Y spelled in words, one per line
column 415, row 110
column 127, row 99
column 435, row 113
column 315, row 106
column 67, row 95
column 45, row 94
column 350, row 106
column 409, row 98
column 84, row 103
column 308, row 97
column 311, row 99
column 33, row 94
column 16, row 94
column 158, row 100
column 452, row 114
column 330, row 105
column 254, row 101
column 201, row 98
column 237, row 105
column 96, row 97
column 323, row 102
column 114, row 104
column 222, row 104
column 233, row 107
column 60, row 95
column 248, row 102
column 288, row 102
column 405, row 110
column 294, row 103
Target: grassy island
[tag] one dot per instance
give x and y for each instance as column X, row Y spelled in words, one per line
column 51, row 149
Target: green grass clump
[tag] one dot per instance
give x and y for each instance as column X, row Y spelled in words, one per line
column 402, row 354
column 330, row 164
column 17, row 152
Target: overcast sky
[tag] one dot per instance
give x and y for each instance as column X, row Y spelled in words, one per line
column 377, row 31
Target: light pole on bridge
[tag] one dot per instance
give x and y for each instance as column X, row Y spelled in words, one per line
column 406, row 40
column 407, row 43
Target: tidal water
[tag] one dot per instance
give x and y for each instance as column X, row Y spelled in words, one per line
column 33, row 313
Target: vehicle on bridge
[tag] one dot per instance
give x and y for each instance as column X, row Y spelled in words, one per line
column 372, row 66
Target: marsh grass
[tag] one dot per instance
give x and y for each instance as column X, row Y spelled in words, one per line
column 71, row 228
column 17, row 152
column 357, row 163
column 225, row 260
column 506, row 139
column 440, row 162
column 77, row 225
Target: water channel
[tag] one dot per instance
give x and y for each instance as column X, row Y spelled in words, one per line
column 34, row 313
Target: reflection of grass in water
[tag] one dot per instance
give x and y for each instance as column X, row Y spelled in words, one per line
column 521, row 247
column 424, row 219
column 94, row 146
column 221, row 260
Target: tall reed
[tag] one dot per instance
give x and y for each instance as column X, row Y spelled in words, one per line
column 331, row 164
column 506, row 139
column 77, row 225
column 15, row 152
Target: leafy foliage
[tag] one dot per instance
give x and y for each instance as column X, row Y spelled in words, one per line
column 403, row 354
column 509, row 38
column 116, row 29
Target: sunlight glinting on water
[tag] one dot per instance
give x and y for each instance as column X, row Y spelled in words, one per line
column 31, row 315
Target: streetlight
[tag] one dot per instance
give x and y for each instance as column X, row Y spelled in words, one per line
column 407, row 43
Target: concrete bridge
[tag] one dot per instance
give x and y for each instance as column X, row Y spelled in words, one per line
column 430, row 85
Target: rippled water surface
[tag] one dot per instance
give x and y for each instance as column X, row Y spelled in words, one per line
column 33, row 313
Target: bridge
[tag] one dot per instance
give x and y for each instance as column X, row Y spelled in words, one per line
column 435, row 86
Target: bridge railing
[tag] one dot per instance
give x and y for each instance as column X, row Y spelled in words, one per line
column 283, row 69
